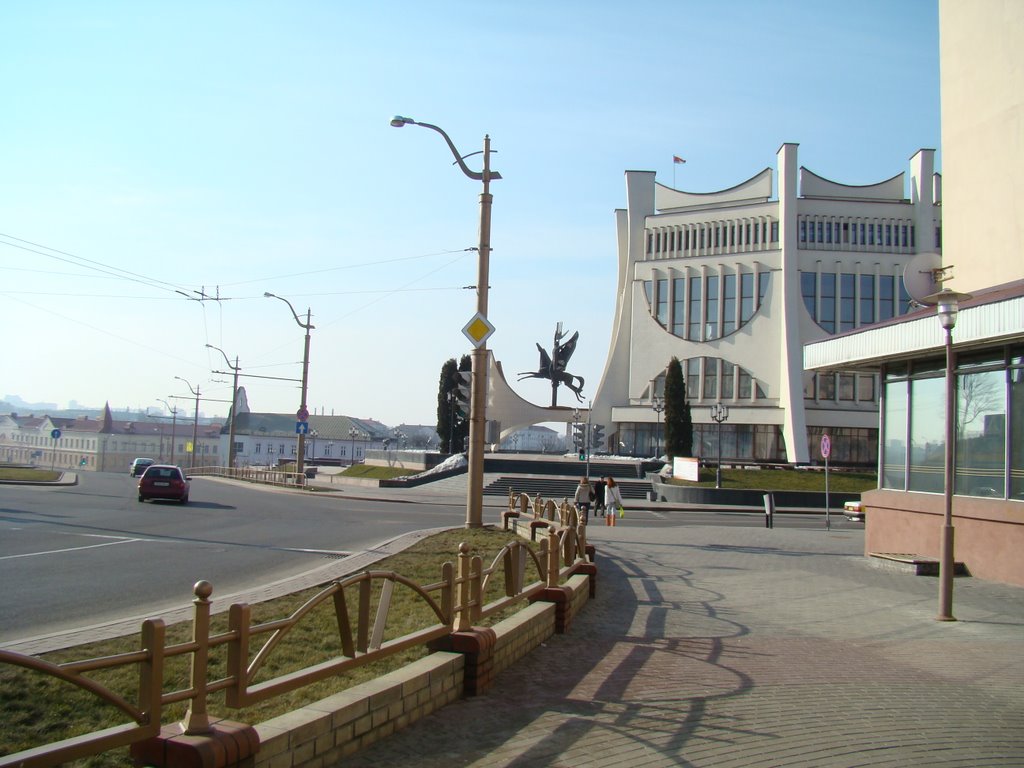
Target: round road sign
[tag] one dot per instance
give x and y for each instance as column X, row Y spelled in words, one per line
column 826, row 446
column 55, row 434
column 302, row 413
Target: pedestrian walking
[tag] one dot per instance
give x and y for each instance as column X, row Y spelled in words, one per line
column 599, row 497
column 612, row 496
column 583, row 496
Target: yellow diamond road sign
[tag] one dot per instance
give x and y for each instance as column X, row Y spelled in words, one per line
column 478, row 330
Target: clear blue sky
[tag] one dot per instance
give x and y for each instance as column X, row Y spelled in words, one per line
column 243, row 147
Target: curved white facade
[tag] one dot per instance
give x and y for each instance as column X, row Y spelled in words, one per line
column 734, row 282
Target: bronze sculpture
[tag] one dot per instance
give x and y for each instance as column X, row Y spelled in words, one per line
column 553, row 366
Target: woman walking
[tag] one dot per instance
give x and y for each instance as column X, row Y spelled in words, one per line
column 612, row 496
column 583, row 496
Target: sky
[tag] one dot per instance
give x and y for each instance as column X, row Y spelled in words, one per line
column 166, row 164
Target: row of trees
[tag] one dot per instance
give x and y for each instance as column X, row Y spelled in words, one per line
column 453, row 408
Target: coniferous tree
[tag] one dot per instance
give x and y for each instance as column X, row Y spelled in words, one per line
column 452, row 412
column 678, row 419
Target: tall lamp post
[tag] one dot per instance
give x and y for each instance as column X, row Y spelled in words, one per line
column 234, row 403
column 947, row 305
column 478, row 406
column 719, row 413
column 658, row 405
column 195, row 423
column 174, row 424
column 303, row 412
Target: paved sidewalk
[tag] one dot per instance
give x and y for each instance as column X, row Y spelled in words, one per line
column 711, row 646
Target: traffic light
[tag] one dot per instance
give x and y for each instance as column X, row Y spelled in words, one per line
column 579, row 435
column 597, row 435
column 583, row 454
column 461, row 391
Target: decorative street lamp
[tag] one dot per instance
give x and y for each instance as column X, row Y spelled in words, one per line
column 313, row 434
column 234, row 405
column 658, row 405
column 947, row 304
column 195, row 423
column 719, row 413
column 478, row 405
column 303, row 412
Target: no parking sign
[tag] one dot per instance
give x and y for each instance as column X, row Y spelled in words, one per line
column 826, row 446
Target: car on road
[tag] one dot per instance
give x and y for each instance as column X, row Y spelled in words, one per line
column 164, row 481
column 138, row 466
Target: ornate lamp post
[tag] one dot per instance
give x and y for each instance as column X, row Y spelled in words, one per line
column 947, row 305
column 719, row 413
column 313, row 434
column 478, row 406
column 234, row 404
column 195, row 423
column 303, row 412
column 658, row 405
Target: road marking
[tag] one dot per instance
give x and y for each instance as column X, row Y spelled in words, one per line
column 75, row 549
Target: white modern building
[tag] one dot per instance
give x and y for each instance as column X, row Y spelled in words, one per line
column 735, row 282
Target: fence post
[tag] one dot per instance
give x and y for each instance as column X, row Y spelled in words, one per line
column 462, row 613
column 554, row 558
column 196, row 719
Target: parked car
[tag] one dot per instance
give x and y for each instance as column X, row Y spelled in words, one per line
column 164, row 481
column 138, row 466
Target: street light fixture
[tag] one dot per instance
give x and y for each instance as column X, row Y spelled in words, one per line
column 478, row 406
column 174, row 424
column 657, row 405
column 195, row 423
column 947, row 305
column 303, row 412
column 719, row 413
column 234, row 405
column 353, row 433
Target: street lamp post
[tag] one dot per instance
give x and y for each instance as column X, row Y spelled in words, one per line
column 195, row 423
column 312, row 456
column 657, row 405
column 234, row 405
column 947, row 305
column 719, row 413
column 174, row 424
column 478, row 406
column 299, row 463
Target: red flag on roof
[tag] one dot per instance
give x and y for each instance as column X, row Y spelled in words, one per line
column 677, row 159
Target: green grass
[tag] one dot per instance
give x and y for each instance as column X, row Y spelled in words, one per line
column 374, row 472
column 26, row 473
column 785, row 480
column 36, row 709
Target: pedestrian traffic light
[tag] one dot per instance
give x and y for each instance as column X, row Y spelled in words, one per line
column 597, row 435
column 583, row 454
column 579, row 432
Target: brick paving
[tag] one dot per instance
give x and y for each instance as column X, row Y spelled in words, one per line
column 710, row 646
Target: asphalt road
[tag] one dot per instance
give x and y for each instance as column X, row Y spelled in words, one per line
column 80, row 555
column 75, row 556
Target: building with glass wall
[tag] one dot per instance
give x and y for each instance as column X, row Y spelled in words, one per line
column 735, row 282
column 982, row 111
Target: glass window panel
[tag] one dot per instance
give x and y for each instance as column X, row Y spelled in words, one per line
column 711, row 378
column 827, row 306
column 981, row 434
column 846, row 386
column 711, row 302
column 744, row 384
column 746, row 296
column 904, row 298
column 894, row 441
column 808, row 287
column 866, row 388
column 763, row 280
column 679, row 306
column 728, row 304
column 810, row 386
column 693, row 378
column 927, row 435
column 693, row 333
column 728, row 380
column 867, row 299
column 1017, row 433
column 649, row 293
column 847, row 301
column 886, row 297
column 826, row 386
column 662, row 307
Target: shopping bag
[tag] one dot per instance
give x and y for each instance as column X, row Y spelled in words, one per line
column 622, row 512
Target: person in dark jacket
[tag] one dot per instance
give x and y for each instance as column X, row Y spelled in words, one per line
column 599, row 498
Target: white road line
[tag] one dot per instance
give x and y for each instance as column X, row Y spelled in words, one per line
column 70, row 549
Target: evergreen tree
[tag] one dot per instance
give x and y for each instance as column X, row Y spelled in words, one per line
column 452, row 412
column 678, row 419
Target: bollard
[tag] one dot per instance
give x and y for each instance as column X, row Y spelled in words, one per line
column 769, row 510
